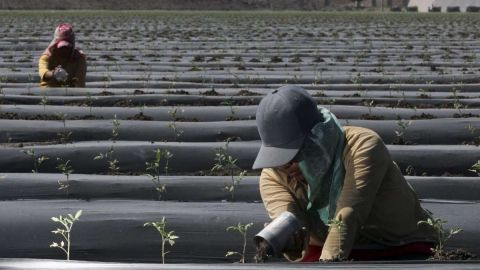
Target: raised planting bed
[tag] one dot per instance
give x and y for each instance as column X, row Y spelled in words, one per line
column 399, row 90
column 214, row 113
column 421, row 100
column 193, row 157
column 427, row 131
column 193, row 188
column 111, row 230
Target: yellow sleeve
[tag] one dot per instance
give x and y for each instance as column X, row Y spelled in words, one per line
column 276, row 195
column 81, row 72
column 365, row 164
column 43, row 66
column 278, row 198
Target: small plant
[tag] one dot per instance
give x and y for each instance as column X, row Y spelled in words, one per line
column 338, row 224
column 476, row 168
column 456, row 101
column 67, row 223
column 410, row 171
column 226, row 163
column 357, row 80
column 37, row 159
column 400, row 134
column 111, row 161
column 116, row 128
column 44, row 102
column 242, row 229
column 65, row 135
column 230, row 104
column 173, row 125
column 167, row 237
column 443, row 235
column 66, row 169
column 331, row 102
column 153, row 169
column 424, row 93
column 369, row 104
column 476, row 139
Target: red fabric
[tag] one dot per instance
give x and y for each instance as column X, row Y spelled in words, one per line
column 417, row 248
column 63, row 33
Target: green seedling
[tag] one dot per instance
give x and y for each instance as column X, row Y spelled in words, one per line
column 235, row 182
column 476, row 168
column 108, row 155
column 242, row 229
column 331, row 102
column 410, row 171
column 66, row 169
column 424, row 93
column 227, row 163
column 357, row 80
column 44, row 102
column 230, row 104
column 456, row 101
column 167, row 237
column 443, row 235
column 173, row 125
column 400, row 134
column 176, row 131
column 153, row 169
column 116, row 128
column 65, row 231
column 111, row 161
column 473, row 131
column 369, row 104
column 64, row 136
column 338, row 224
column 37, row 159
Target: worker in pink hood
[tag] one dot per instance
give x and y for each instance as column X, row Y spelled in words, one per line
column 61, row 64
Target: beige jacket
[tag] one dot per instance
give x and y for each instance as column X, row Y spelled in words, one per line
column 376, row 203
column 76, row 68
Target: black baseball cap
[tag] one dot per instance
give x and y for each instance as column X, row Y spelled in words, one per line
column 284, row 118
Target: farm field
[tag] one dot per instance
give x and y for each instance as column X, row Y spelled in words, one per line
column 171, row 95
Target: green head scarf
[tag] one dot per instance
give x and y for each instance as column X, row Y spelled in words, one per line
column 321, row 163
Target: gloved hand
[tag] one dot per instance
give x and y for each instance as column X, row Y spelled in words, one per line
column 60, row 74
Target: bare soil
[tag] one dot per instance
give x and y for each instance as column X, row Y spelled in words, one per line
column 453, row 255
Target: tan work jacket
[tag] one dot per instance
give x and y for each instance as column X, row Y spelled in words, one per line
column 76, row 69
column 376, row 204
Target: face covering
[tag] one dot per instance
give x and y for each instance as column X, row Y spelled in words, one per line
column 321, row 163
column 63, row 33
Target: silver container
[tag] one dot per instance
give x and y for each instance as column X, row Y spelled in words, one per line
column 278, row 233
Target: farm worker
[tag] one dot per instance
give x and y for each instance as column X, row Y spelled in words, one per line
column 323, row 172
column 61, row 64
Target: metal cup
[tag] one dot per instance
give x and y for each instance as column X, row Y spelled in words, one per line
column 279, row 231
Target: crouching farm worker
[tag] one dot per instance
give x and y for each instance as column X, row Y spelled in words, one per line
column 340, row 183
column 61, row 64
